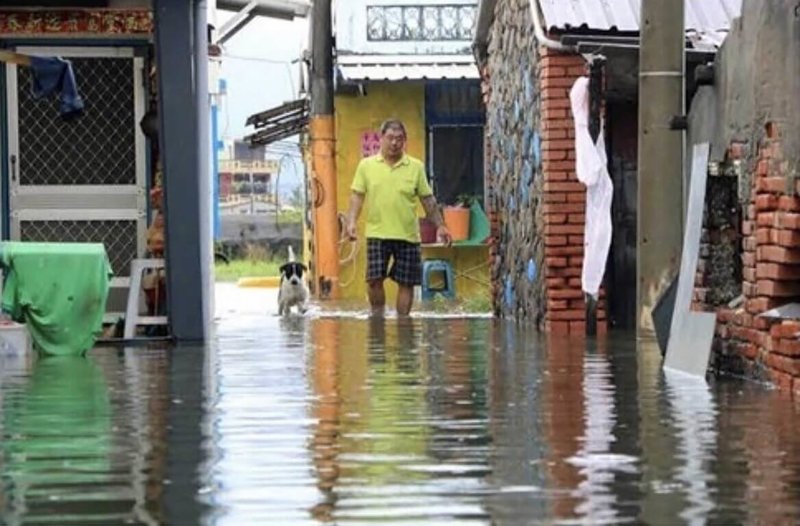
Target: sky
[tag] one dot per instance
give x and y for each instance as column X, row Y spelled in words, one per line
column 257, row 68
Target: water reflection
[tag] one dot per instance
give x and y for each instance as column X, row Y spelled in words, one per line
column 74, row 450
column 599, row 465
column 420, row 421
column 694, row 412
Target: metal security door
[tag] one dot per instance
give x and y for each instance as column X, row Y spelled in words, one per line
column 82, row 180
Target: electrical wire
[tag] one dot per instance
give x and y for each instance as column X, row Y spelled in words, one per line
column 286, row 63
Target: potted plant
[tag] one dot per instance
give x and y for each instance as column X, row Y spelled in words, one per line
column 456, row 217
column 427, row 231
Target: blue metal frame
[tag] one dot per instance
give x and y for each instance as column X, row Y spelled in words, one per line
column 6, row 230
column 182, row 55
column 215, row 167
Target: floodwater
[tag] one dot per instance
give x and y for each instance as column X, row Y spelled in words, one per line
column 336, row 419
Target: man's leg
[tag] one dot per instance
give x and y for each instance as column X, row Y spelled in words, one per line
column 377, row 296
column 405, row 299
column 407, row 272
column 377, row 262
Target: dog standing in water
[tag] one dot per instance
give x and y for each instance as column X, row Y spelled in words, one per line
column 293, row 291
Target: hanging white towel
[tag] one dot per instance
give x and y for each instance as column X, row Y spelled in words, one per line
column 591, row 168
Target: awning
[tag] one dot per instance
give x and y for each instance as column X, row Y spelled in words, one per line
column 406, row 67
column 278, row 123
column 707, row 22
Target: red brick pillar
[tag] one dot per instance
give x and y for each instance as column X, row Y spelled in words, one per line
column 564, row 199
column 490, row 202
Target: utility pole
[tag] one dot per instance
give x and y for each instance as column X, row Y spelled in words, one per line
column 660, row 177
column 323, row 153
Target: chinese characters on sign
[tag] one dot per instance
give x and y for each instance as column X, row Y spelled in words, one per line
column 370, row 143
column 77, row 21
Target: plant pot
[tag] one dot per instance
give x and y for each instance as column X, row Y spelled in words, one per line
column 456, row 218
column 427, row 231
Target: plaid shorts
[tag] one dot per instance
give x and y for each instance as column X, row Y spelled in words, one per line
column 406, row 265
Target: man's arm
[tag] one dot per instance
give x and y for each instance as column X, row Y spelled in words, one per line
column 433, row 214
column 432, row 210
column 356, row 203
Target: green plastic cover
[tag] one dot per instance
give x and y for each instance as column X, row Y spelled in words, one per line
column 59, row 290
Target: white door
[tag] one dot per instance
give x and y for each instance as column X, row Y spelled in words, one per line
column 82, row 180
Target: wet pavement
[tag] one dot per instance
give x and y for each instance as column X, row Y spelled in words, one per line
column 337, row 419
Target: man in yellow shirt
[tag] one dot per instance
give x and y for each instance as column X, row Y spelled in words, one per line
column 390, row 183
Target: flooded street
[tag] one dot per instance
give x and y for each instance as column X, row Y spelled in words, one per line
column 334, row 419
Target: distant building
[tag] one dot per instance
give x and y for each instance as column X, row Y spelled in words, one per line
column 245, row 179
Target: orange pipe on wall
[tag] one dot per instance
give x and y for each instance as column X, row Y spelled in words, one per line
column 326, row 221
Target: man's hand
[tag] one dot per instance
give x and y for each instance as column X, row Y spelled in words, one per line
column 352, row 230
column 443, row 235
column 356, row 202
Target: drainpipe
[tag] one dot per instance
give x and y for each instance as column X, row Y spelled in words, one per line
column 483, row 24
column 541, row 37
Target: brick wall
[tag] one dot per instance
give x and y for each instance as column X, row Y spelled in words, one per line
column 564, row 198
column 746, row 343
column 536, row 204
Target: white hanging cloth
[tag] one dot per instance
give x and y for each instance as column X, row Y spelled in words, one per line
column 591, row 168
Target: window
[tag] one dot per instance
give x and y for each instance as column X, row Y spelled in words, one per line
column 454, row 117
column 456, row 161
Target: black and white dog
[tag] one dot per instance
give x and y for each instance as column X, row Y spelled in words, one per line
column 293, row 291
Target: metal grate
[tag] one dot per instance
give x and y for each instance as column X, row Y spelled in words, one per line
column 421, row 22
column 118, row 236
column 97, row 148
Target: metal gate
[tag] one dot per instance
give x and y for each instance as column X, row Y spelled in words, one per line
column 82, row 180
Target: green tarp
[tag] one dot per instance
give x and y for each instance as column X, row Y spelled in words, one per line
column 59, row 291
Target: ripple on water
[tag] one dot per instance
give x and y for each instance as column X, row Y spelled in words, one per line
column 339, row 418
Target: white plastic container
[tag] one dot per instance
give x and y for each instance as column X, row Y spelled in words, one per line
column 15, row 340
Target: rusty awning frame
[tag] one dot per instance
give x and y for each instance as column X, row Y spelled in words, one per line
column 278, row 123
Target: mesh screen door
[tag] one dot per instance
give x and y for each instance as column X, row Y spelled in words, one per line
column 82, row 180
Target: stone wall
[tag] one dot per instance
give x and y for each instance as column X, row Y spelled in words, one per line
column 513, row 164
column 719, row 266
column 535, row 201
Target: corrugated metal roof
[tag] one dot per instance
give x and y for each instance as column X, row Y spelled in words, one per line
column 411, row 67
column 702, row 16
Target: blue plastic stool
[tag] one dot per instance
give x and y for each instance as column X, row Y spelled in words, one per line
column 429, row 266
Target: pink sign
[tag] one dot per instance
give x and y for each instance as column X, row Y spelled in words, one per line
column 370, row 143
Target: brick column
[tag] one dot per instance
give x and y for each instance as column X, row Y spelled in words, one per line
column 564, row 199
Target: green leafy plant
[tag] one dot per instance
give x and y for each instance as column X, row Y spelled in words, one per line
column 465, row 200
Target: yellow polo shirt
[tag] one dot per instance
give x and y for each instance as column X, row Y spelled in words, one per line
column 392, row 194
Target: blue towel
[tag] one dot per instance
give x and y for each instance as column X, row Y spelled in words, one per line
column 53, row 75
